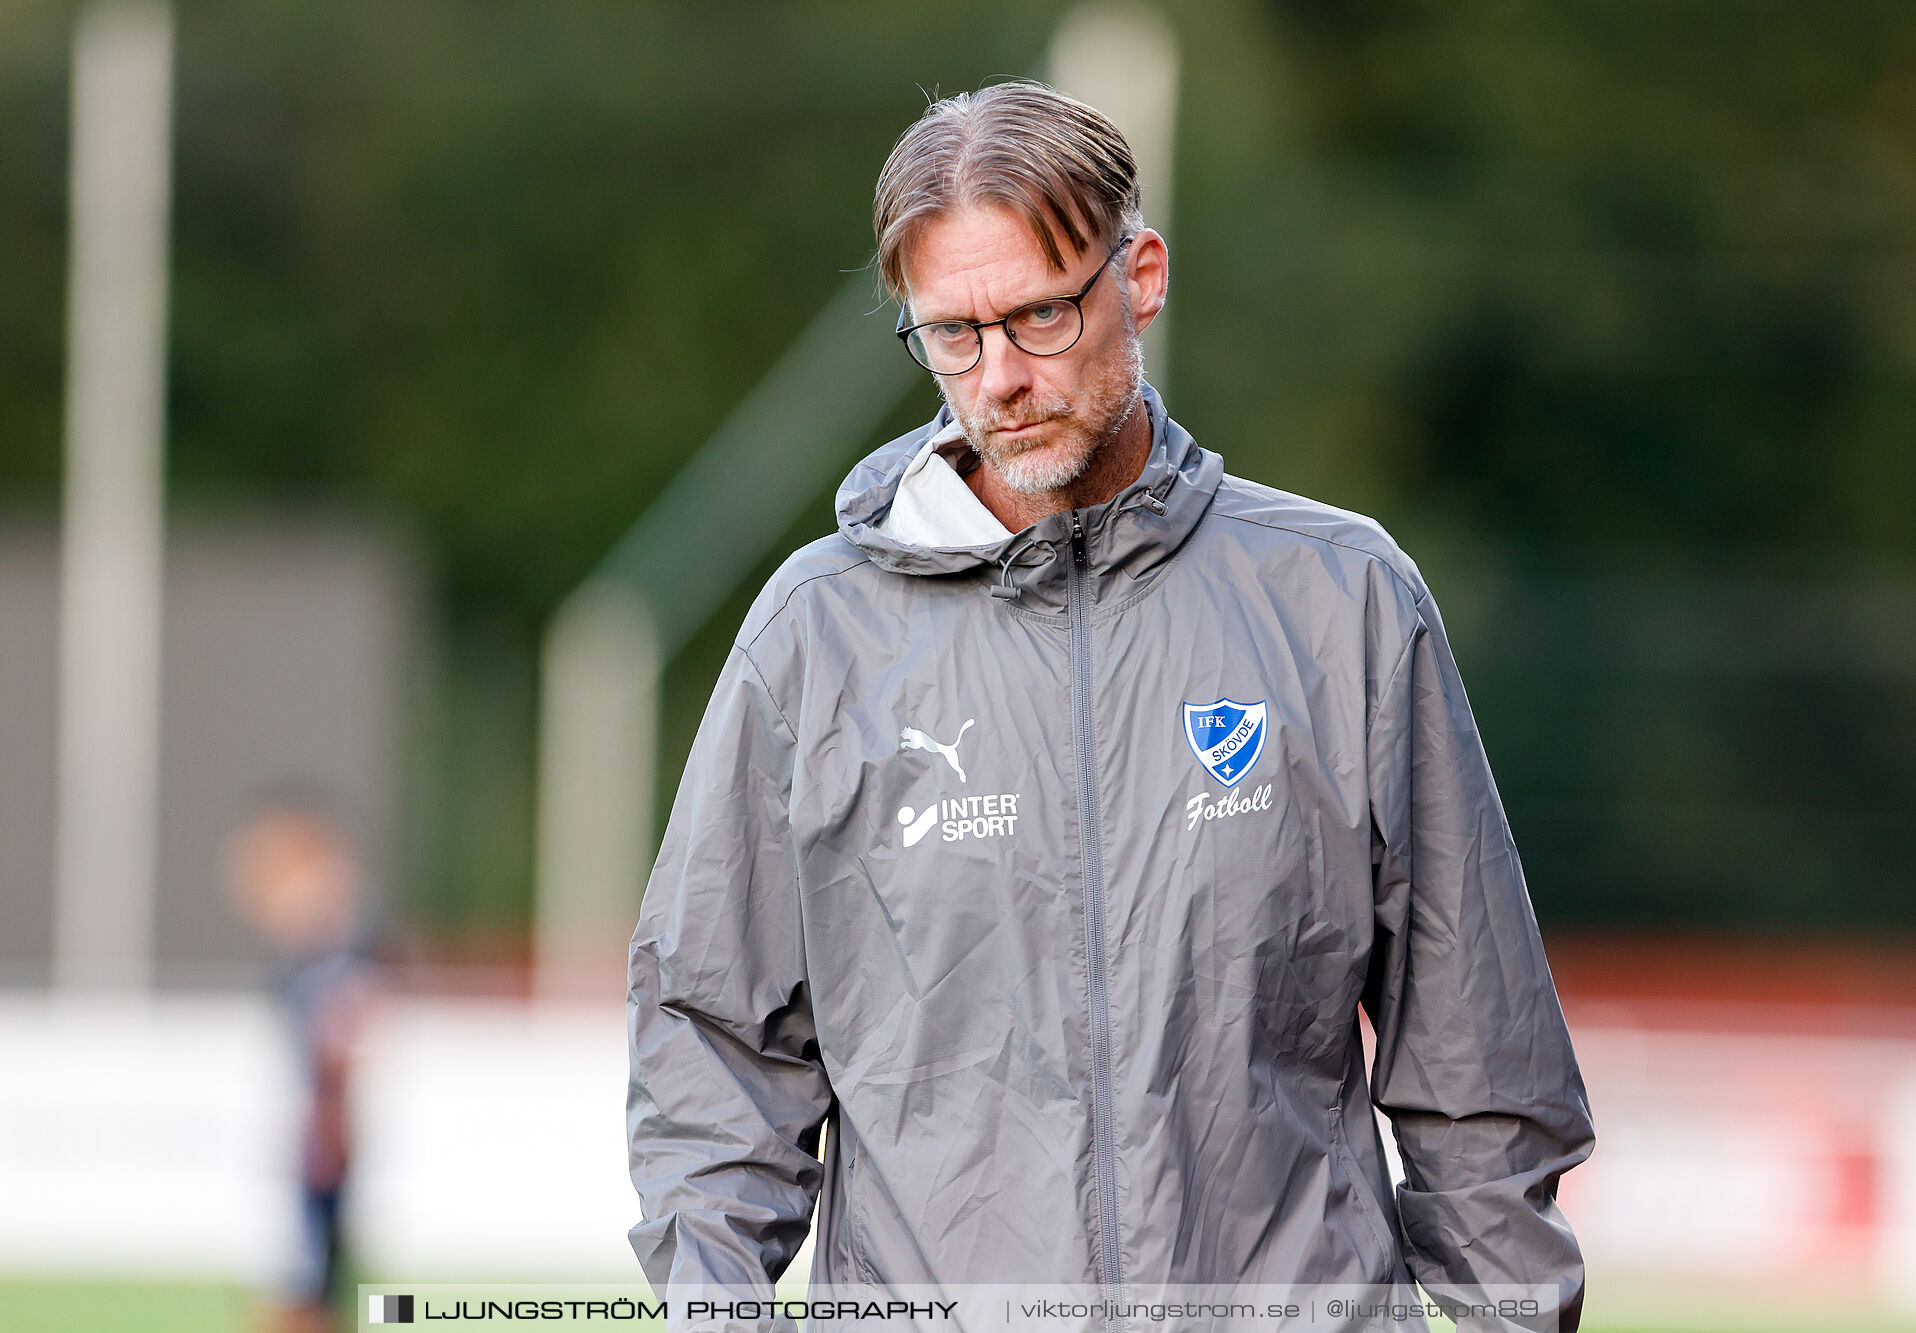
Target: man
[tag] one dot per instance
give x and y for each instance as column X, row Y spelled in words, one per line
column 292, row 874
column 1051, row 823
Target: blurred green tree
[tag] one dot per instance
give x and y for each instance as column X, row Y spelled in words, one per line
column 1584, row 301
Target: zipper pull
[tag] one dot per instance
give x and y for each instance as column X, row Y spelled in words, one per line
column 1077, row 539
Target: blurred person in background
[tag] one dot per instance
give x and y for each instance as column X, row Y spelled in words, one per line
column 1050, row 824
column 293, row 874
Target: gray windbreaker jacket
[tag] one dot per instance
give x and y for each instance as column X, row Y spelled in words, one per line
column 1052, row 873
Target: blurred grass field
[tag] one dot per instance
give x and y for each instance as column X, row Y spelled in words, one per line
column 109, row 1307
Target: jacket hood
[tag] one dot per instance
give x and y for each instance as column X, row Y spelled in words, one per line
column 1125, row 537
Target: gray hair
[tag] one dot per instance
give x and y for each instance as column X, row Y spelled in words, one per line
column 1021, row 145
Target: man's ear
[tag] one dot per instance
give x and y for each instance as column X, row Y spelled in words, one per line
column 1147, row 276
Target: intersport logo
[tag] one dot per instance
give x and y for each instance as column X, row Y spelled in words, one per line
column 962, row 817
column 956, row 818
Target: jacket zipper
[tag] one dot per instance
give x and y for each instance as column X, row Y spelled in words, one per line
column 1091, row 844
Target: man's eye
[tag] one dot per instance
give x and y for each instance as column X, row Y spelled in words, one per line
column 1037, row 316
column 950, row 333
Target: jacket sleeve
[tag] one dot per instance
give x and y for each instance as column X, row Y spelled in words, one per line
column 727, row 1095
column 1474, row 1066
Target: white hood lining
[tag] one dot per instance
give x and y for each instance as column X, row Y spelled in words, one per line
column 934, row 507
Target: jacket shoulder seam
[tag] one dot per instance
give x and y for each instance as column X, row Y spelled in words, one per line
column 1396, row 573
column 745, row 646
column 1404, row 655
column 766, row 685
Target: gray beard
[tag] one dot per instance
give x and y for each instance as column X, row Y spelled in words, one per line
column 1033, row 471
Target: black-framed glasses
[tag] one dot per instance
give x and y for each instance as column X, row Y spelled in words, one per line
column 1043, row 328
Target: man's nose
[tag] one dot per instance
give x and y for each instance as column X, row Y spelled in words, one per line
column 1005, row 367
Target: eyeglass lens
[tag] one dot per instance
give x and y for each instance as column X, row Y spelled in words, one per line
column 1044, row 328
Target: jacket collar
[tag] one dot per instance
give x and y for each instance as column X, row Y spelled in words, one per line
column 933, row 505
column 1126, row 538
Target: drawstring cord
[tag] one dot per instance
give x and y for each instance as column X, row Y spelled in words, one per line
column 1144, row 500
column 1006, row 591
column 1003, row 590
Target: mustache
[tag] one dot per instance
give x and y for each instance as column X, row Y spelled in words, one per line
column 1011, row 421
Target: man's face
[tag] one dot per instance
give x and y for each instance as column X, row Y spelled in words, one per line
column 292, row 875
column 1036, row 420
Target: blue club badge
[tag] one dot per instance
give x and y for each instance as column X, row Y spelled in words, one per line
column 1226, row 736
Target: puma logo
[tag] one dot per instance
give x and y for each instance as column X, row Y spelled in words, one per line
column 913, row 739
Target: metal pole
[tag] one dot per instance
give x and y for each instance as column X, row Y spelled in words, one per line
column 1123, row 59
column 111, row 541
column 598, row 723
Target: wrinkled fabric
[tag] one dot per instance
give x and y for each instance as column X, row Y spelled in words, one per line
column 798, row 962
